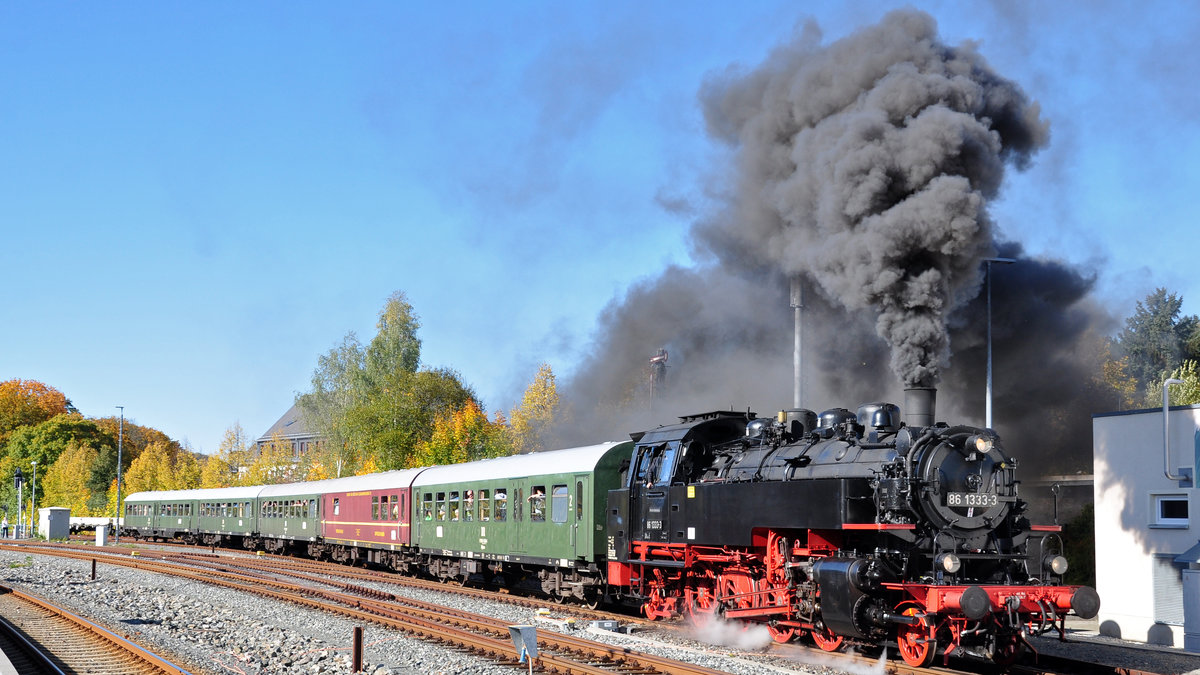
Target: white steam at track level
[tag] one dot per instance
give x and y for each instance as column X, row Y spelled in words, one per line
column 865, row 166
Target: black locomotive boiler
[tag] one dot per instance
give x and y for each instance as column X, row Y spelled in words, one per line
column 842, row 526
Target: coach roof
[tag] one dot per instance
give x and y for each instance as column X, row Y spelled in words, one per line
column 571, row 460
column 387, row 480
column 227, row 494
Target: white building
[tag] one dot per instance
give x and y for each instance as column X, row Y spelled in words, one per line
column 1146, row 535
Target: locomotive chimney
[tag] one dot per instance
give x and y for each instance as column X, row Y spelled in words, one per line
column 919, row 404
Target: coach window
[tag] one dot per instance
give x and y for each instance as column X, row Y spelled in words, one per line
column 337, row 506
column 501, row 505
column 395, row 507
column 519, row 504
column 485, row 506
column 537, row 504
column 374, row 508
column 427, row 506
column 559, row 509
column 441, row 506
column 454, row 504
column 469, row 506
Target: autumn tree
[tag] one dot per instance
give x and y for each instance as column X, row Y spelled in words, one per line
column 534, row 418
column 463, row 435
column 376, row 401
column 221, row 469
column 272, row 463
column 66, row 482
column 27, row 403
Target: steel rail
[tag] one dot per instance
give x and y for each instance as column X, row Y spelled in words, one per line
column 153, row 661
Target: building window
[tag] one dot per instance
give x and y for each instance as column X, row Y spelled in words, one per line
column 1169, row 511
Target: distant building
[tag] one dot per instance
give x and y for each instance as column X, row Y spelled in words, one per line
column 1147, row 549
column 290, row 429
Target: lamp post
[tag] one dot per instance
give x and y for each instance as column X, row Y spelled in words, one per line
column 19, row 479
column 987, row 281
column 33, row 501
column 120, row 442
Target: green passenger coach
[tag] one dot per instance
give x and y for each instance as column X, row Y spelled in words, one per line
column 534, row 519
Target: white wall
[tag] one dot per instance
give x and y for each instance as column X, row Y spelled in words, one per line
column 1129, row 472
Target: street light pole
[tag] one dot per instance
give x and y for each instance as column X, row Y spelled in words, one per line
column 120, row 442
column 33, row 501
column 987, row 281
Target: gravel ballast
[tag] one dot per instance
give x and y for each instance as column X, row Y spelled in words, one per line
column 213, row 630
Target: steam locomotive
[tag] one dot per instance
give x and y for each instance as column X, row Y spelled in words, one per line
column 841, row 526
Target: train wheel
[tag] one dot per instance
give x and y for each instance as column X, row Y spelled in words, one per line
column 916, row 642
column 827, row 639
column 592, row 600
column 703, row 608
column 781, row 634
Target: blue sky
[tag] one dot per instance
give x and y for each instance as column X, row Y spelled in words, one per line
column 197, row 200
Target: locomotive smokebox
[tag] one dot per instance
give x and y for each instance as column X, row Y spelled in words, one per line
column 919, row 404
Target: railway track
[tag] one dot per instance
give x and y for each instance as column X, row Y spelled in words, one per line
column 482, row 635
column 40, row 638
column 272, row 570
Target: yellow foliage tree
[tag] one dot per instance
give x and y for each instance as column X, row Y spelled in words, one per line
column 162, row 467
column 66, row 482
column 369, row 465
column 274, row 464
column 533, row 419
column 221, row 469
column 463, row 435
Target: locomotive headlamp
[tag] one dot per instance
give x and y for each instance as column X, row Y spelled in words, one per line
column 1056, row 564
column 949, row 562
column 982, row 444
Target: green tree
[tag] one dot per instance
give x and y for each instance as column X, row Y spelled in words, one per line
column 44, row 443
column 377, row 402
column 1155, row 338
column 1187, row 393
column 28, row 403
column 338, row 385
column 533, row 419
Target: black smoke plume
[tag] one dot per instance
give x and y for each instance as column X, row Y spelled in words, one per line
column 865, row 167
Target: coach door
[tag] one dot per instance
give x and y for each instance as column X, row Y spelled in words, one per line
column 518, row 525
column 582, row 529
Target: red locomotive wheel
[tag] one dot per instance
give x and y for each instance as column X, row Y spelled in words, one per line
column 916, row 642
column 703, row 608
column 781, row 634
column 827, row 639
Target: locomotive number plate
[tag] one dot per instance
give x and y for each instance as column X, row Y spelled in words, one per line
column 966, row 499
